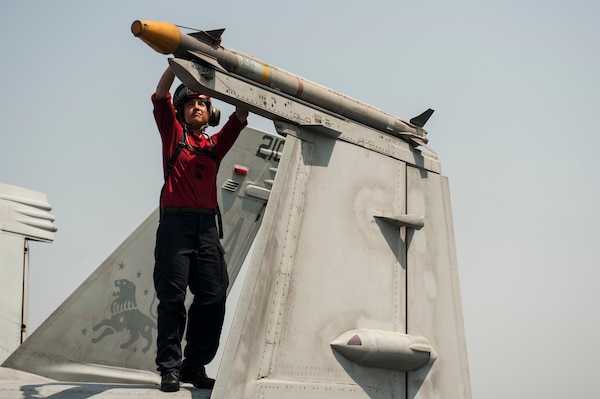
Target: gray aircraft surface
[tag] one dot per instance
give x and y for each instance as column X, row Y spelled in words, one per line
column 351, row 290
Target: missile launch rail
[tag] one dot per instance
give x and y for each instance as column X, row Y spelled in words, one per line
column 266, row 101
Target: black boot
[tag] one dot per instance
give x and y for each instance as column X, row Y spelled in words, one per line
column 169, row 381
column 199, row 379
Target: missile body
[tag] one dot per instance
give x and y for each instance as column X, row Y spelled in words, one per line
column 166, row 38
column 384, row 349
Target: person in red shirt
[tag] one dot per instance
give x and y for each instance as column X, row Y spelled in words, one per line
column 188, row 252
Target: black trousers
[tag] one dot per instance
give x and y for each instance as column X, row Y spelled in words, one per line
column 188, row 253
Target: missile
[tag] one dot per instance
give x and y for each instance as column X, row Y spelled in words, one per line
column 384, row 349
column 205, row 47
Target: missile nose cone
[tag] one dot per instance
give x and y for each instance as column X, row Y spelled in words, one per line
column 163, row 37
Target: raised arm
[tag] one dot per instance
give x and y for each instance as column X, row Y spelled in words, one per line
column 165, row 83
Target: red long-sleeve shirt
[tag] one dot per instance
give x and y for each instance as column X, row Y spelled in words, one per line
column 192, row 182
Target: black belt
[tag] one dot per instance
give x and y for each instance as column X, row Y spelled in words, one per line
column 205, row 211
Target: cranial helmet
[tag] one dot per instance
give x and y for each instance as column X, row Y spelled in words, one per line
column 182, row 94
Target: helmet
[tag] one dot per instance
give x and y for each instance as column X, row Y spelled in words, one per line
column 183, row 93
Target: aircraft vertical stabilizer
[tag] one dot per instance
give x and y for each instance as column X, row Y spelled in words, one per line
column 106, row 330
column 24, row 216
column 352, row 290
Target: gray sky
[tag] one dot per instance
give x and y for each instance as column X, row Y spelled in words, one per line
column 515, row 86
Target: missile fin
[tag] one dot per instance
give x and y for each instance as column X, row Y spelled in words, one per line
column 210, row 61
column 211, row 36
column 422, row 119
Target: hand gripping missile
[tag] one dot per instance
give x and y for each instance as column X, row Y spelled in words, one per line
column 206, row 47
column 384, row 349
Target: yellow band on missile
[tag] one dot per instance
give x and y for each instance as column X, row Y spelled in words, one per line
column 266, row 75
column 163, row 37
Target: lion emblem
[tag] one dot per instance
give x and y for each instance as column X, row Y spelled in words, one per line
column 125, row 315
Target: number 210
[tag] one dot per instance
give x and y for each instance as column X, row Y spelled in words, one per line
column 271, row 149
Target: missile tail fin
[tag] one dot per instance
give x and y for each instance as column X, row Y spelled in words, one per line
column 422, row 119
column 211, row 36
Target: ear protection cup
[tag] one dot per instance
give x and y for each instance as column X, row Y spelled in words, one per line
column 215, row 116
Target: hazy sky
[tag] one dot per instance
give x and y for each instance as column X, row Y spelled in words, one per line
column 515, row 86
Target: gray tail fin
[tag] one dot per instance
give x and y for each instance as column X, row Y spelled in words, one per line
column 105, row 331
column 422, row 119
